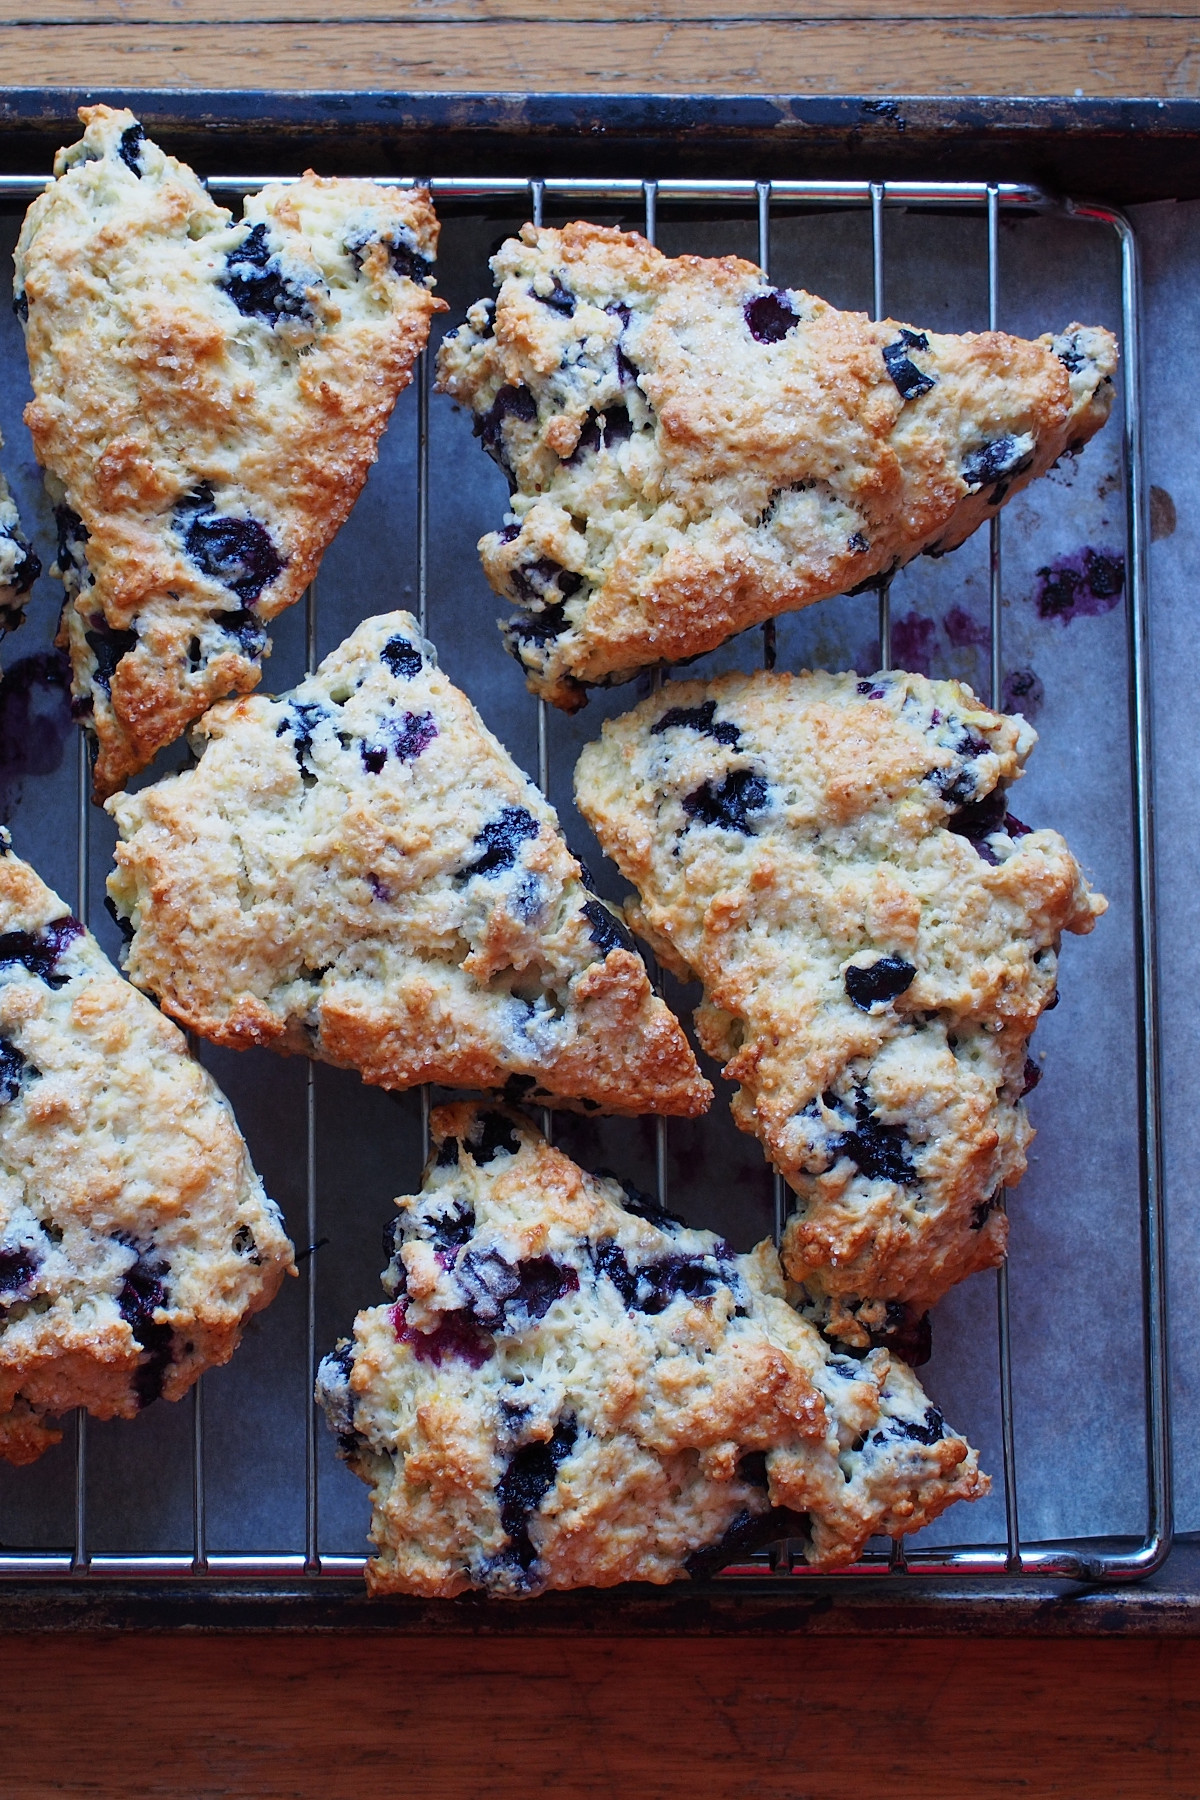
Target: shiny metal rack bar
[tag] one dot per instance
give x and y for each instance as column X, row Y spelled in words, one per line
column 1075, row 1561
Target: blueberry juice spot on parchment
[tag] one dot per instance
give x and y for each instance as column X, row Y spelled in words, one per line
column 35, row 718
column 1083, row 585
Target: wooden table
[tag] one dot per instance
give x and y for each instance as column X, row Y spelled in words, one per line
column 1094, row 47
column 324, row 1717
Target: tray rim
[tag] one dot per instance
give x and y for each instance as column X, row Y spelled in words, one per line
column 1128, row 149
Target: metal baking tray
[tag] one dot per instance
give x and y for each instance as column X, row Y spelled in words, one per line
column 234, row 1498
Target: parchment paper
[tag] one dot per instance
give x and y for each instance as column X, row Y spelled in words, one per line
column 1075, row 1241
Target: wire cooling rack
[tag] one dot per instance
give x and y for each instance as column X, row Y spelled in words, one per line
column 1117, row 1560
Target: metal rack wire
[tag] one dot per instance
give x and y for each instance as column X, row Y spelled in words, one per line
column 1012, row 1557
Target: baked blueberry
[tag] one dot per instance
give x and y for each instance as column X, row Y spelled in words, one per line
column 769, row 317
column 498, row 842
column 256, row 283
column 885, row 979
column 910, row 382
column 403, row 659
column 730, row 802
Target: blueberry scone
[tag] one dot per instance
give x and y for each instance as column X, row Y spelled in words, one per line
column 209, row 394
column 135, row 1237
column 692, row 450
column 571, row 1389
column 19, row 567
column 877, row 937
column 358, row 871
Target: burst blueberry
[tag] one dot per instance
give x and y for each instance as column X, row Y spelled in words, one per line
column 729, row 803
column 700, row 718
column 14, row 1069
column 885, row 979
column 40, row 952
column 237, row 552
column 769, row 317
column 606, row 931
column 526, row 1481
column 402, row 658
column 108, row 645
column 498, row 842
column 255, row 282
column 910, row 382
column 130, row 148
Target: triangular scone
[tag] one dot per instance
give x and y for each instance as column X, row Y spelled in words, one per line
column 572, row 1389
column 358, row 871
column 693, row 450
column 209, row 396
column 877, row 938
column 19, row 567
column 135, row 1237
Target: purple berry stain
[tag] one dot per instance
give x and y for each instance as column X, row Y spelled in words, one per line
column 1023, row 693
column 964, row 632
column 913, row 643
column 1083, row 585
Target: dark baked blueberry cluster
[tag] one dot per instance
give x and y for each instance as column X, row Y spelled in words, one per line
column 560, row 299
column 510, row 403
column 746, row 1531
column 27, row 567
column 544, row 582
column 144, row 1292
column 256, row 283
column 700, row 718
column 526, row 1481
column 605, row 929
column 18, row 1266
column 73, row 534
column 885, row 979
column 498, row 842
column 39, row 952
column 403, row 659
column 769, row 317
column 957, row 783
column 108, row 645
column 1000, row 461
column 929, row 1430
column 15, row 1069
column 728, row 803
column 246, row 629
column 651, row 1286
column 600, row 431
column 301, row 719
column 237, row 552
column 503, row 1295
column 130, row 148
column 981, row 819
column 880, row 1152
column 403, row 253
column 909, row 381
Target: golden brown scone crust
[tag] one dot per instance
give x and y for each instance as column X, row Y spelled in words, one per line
column 208, row 399
column 135, row 1237
column 678, row 478
column 358, row 871
column 877, row 938
column 569, row 1393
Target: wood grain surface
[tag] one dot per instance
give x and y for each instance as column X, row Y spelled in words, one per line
column 724, row 1719
column 609, row 46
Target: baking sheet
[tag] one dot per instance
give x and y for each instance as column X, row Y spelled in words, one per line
column 1075, row 1276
